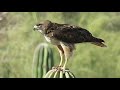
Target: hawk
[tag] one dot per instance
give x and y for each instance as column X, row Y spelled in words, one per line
column 65, row 36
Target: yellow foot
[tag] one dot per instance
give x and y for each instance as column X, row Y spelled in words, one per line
column 57, row 67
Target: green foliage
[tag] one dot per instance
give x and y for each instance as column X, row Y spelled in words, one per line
column 18, row 42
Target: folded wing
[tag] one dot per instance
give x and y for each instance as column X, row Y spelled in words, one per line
column 73, row 35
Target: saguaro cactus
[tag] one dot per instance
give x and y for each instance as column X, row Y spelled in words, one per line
column 59, row 73
column 43, row 60
column 43, row 64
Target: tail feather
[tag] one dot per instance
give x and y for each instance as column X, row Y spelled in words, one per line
column 97, row 40
column 99, row 44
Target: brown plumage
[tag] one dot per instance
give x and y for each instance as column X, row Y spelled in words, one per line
column 75, row 35
column 65, row 36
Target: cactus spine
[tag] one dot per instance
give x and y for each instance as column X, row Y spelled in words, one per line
column 43, row 60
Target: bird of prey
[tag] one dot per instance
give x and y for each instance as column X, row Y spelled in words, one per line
column 65, row 36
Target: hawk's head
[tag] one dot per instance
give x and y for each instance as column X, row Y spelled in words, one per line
column 43, row 27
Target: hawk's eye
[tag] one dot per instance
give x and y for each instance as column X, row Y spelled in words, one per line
column 38, row 24
column 48, row 31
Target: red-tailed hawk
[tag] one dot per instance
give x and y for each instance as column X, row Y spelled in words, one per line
column 65, row 36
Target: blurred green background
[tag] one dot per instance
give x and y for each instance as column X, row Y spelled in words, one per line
column 18, row 42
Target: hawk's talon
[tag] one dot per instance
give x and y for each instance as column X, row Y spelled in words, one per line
column 57, row 67
column 53, row 67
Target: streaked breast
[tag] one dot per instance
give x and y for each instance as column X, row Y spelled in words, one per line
column 52, row 40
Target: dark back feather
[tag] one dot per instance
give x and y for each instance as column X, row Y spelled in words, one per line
column 70, row 33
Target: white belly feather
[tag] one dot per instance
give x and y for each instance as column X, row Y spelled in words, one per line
column 51, row 40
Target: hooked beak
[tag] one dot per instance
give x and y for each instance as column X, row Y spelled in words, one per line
column 35, row 28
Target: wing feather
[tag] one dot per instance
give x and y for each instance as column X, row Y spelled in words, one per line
column 72, row 34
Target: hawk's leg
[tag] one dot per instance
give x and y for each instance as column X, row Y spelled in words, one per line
column 68, row 51
column 61, row 51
